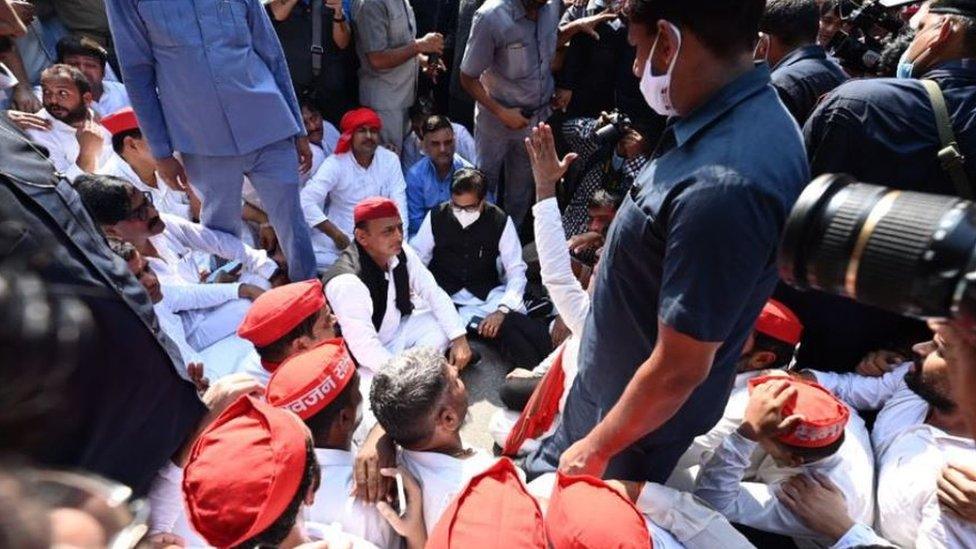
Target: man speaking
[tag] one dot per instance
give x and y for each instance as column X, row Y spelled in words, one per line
column 690, row 258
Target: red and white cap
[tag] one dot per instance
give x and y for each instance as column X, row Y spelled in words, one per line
column 824, row 416
column 309, row 381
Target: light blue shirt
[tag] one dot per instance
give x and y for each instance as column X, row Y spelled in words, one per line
column 205, row 77
column 425, row 190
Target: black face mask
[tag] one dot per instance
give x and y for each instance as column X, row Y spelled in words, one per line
column 926, row 390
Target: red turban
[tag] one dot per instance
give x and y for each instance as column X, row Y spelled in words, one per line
column 493, row 510
column 824, row 417
column 122, row 120
column 243, row 471
column 279, row 310
column 352, row 121
column 375, row 207
column 585, row 512
column 778, row 322
column 309, row 381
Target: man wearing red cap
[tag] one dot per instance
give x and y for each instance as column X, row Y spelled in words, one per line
column 770, row 346
column 372, row 286
column 287, row 320
column 321, row 385
column 923, row 448
column 798, row 427
column 358, row 169
column 248, row 475
column 133, row 162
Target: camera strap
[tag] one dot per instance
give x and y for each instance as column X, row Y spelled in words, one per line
column 317, row 50
column 951, row 158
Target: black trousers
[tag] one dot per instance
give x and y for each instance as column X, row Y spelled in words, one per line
column 523, row 340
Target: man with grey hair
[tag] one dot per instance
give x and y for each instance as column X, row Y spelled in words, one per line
column 421, row 402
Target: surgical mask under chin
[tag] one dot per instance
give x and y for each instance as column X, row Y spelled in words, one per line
column 657, row 89
column 905, row 67
column 466, row 218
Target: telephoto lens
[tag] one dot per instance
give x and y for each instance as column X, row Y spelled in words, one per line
column 906, row 252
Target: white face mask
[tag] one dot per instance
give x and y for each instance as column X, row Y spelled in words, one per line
column 466, row 218
column 657, row 89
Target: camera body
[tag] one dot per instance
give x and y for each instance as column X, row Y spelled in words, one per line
column 612, row 131
column 859, row 45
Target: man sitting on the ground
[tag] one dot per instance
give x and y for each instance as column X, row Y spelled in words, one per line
column 321, row 385
column 76, row 142
column 371, row 288
column 919, row 431
column 169, row 243
column 421, row 402
column 413, row 147
column 91, row 59
column 799, row 427
column 133, row 161
column 429, row 179
column 360, row 168
column 473, row 250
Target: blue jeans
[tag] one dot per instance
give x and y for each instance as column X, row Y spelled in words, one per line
column 273, row 170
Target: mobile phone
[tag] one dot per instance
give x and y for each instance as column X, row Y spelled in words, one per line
column 401, row 495
column 472, row 326
column 230, row 267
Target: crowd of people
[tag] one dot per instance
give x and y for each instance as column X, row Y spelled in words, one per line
column 250, row 248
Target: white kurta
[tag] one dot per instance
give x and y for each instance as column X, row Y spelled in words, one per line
column 334, row 506
column 341, row 183
column 61, row 141
column 752, row 502
column 372, row 348
column 910, row 456
column 511, row 269
column 165, row 199
column 177, row 244
column 686, row 471
column 442, row 477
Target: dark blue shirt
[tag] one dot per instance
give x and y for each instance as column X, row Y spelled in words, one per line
column 881, row 131
column 425, row 190
column 802, row 77
column 694, row 245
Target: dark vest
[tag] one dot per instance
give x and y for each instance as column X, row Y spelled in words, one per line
column 466, row 258
column 355, row 260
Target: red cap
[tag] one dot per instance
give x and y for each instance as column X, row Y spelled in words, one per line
column 778, row 322
column 375, row 207
column 120, row 121
column 824, row 417
column 584, row 512
column 309, row 381
column 352, row 121
column 243, row 471
column 278, row 311
column 541, row 410
column 493, row 510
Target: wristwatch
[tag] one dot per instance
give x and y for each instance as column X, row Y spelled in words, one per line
column 504, row 309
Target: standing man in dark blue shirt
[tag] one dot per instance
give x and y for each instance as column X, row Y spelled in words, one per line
column 883, row 131
column 690, row 255
column 802, row 72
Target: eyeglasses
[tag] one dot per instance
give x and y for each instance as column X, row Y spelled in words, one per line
column 469, row 208
column 141, row 212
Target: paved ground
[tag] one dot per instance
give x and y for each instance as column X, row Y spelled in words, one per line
column 483, row 381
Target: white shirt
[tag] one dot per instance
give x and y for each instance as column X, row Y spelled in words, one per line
column 413, row 149
column 334, row 506
column 61, row 141
column 341, row 183
column 910, row 455
column 753, row 502
column 860, row 535
column 567, row 294
column 353, row 307
column 685, row 520
column 686, row 471
column 177, row 244
column 114, row 98
column 512, row 268
column 442, row 477
column 179, row 297
column 165, row 199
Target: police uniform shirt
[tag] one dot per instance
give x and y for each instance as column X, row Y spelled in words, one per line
column 803, row 76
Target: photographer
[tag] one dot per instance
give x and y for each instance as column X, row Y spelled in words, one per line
column 884, row 131
column 610, row 152
column 802, row 73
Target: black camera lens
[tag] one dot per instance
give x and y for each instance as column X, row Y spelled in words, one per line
column 907, row 252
